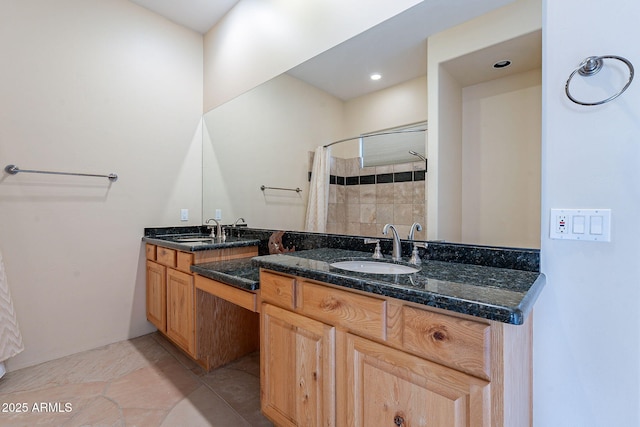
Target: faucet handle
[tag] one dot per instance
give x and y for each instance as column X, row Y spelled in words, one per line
column 377, row 253
column 415, row 257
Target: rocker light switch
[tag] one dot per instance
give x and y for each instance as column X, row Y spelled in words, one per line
column 595, row 226
column 578, row 224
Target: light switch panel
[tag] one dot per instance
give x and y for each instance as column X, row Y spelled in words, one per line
column 581, row 224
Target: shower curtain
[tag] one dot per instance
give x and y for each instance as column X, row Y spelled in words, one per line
column 318, row 204
column 10, row 337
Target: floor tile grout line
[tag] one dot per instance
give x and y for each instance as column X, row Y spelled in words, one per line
column 200, row 380
column 167, row 350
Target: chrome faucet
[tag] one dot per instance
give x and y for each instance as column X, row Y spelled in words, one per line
column 237, row 220
column 415, row 226
column 396, row 255
column 218, row 229
column 415, row 257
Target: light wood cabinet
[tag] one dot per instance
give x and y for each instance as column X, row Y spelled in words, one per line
column 396, row 363
column 190, row 321
column 388, row 387
column 227, row 324
column 157, row 295
column 170, row 296
column 181, row 326
column 297, row 369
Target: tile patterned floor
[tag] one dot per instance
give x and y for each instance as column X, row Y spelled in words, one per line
column 143, row 382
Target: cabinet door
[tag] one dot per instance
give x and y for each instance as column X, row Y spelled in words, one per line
column 157, row 295
column 180, row 314
column 386, row 387
column 297, row 369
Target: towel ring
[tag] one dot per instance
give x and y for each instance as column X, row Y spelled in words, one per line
column 591, row 66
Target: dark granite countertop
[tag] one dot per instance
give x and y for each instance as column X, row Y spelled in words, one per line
column 495, row 283
column 172, row 241
column 500, row 294
column 240, row 273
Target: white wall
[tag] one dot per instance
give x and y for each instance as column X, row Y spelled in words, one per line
column 279, row 35
column 444, row 146
column 264, row 137
column 501, row 132
column 398, row 105
column 102, row 86
column 587, row 322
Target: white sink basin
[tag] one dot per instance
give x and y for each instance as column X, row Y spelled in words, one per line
column 374, row 267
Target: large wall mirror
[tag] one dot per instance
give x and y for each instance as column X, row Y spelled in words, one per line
column 475, row 79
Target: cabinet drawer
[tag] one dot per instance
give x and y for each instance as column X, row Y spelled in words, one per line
column 239, row 297
column 358, row 313
column 185, row 261
column 151, row 252
column 458, row 343
column 279, row 290
column 166, row 256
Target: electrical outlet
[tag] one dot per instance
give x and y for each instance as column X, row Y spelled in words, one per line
column 218, row 214
column 184, row 214
column 561, row 224
column 581, row 224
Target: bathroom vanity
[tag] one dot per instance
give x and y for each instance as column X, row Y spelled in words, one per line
column 449, row 345
column 185, row 308
column 357, row 349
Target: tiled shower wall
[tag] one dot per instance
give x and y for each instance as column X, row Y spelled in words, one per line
column 362, row 201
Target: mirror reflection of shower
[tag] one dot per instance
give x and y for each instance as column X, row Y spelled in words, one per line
column 420, row 156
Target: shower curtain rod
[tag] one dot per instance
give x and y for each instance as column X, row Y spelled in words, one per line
column 373, row 134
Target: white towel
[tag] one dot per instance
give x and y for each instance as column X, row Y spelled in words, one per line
column 10, row 337
column 318, row 204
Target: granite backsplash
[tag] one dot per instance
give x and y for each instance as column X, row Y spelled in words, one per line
column 489, row 256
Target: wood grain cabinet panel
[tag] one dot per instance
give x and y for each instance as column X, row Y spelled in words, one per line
column 150, row 252
column 278, row 289
column 359, row 313
column 451, row 341
column 166, row 256
column 184, row 261
column 157, row 295
column 180, row 310
column 214, row 326
column 297, row 369
column 387, row 387
column 433, row 369
column 241, row 298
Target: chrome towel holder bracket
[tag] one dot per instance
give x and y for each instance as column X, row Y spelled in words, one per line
column 591, row 66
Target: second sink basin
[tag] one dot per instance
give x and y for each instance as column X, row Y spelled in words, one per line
column 374, row 267
column 193, row 239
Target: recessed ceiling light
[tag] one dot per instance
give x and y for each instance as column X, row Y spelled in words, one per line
column 502, row 64
column 375, row 76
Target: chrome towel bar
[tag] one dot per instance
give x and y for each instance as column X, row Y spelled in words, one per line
column 13, row 170
column 297, row 190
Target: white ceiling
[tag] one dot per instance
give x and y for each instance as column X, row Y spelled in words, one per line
column 395, row 48
column 199, row 15
column 524, row 52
